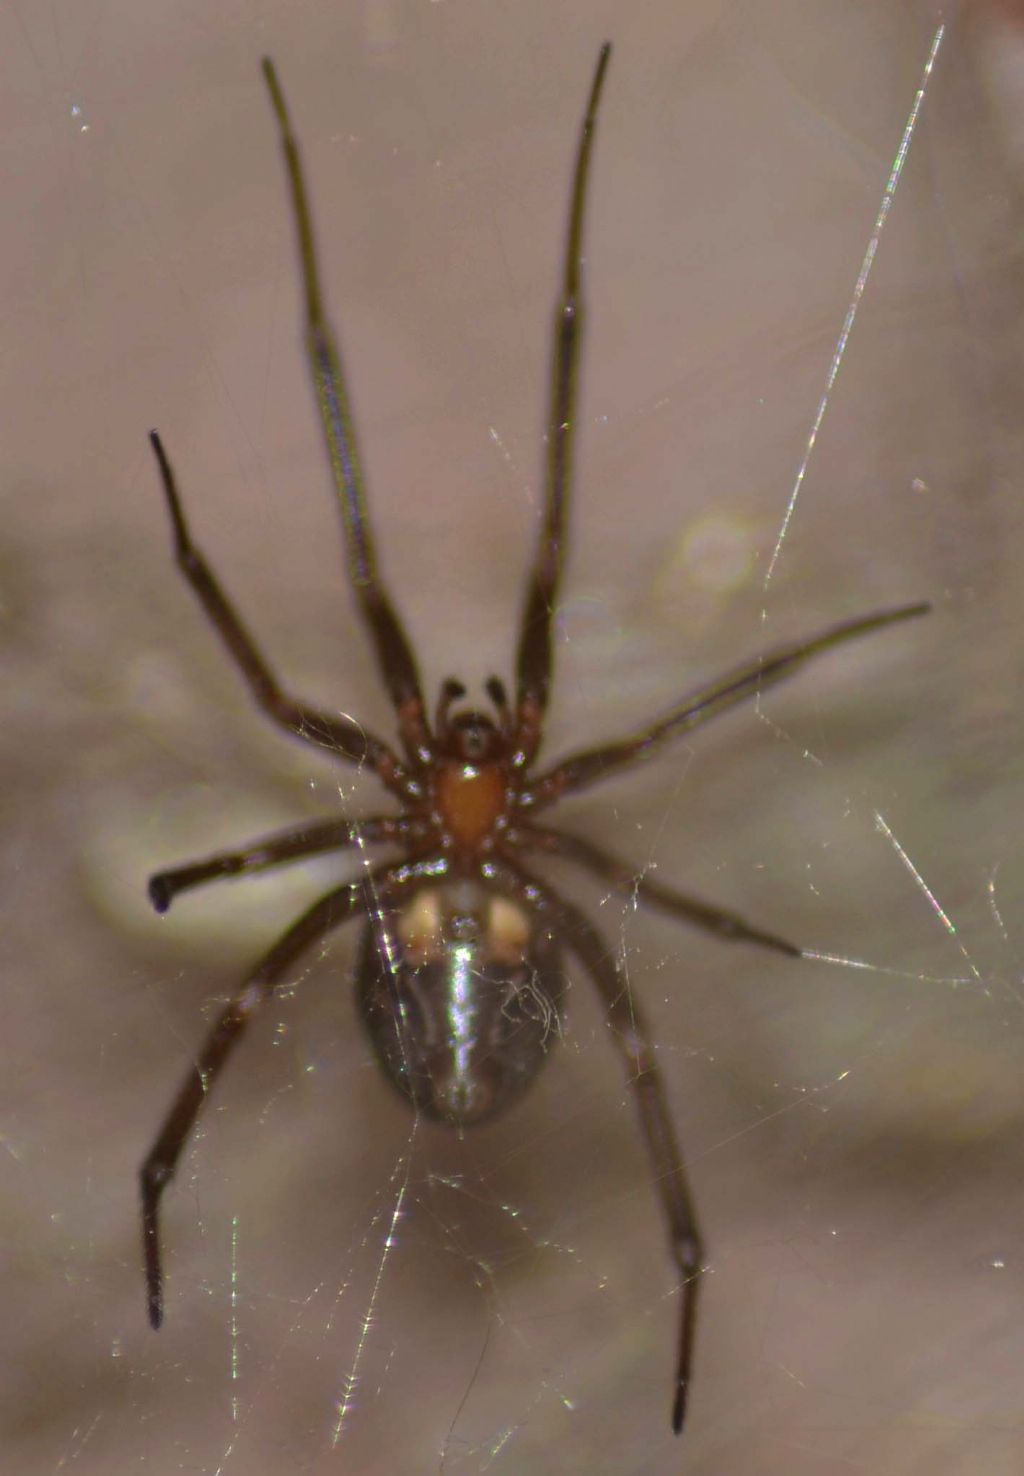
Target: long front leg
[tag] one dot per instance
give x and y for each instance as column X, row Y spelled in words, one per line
column 534, row 658
column 626, row 879
column 162, row 1160
column 342, row 736
column 394, row 652
column 633, row 1041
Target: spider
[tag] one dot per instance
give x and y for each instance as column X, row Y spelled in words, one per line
column 459, row 972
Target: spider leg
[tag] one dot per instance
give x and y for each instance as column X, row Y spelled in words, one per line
column 633, row 1040
column 341, row 735
column 534, row 658
column 394, row 653
column 625, row 878
column 162, row 1160
column 584, row 768
column 293, row 844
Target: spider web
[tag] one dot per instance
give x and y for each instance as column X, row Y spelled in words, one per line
column 799, row 403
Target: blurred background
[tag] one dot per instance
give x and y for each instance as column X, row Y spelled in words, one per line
column 349, row 1290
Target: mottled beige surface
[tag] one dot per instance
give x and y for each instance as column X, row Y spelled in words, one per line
column 853, row 1132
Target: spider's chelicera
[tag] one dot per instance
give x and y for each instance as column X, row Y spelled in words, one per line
column 460, row 968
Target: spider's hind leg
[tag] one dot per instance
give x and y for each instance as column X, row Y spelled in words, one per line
column 632, row 1038
column 162, row 1159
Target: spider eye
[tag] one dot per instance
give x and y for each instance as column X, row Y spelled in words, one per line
column 474, row 736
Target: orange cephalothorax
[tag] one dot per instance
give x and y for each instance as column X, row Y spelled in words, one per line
column 469, row 800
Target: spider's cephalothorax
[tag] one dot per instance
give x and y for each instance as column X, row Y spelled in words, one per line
column 459, row 977
column 470, row 770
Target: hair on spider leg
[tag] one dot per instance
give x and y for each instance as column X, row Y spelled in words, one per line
column 459, row 973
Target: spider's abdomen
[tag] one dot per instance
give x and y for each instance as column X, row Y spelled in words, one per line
column 465, row 1013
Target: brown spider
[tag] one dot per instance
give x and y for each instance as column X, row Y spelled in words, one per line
column 459, row 973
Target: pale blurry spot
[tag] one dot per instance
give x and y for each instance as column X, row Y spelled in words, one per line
column 714, row 556
column 717, row 554
column 918, row 484
column 76, row 113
